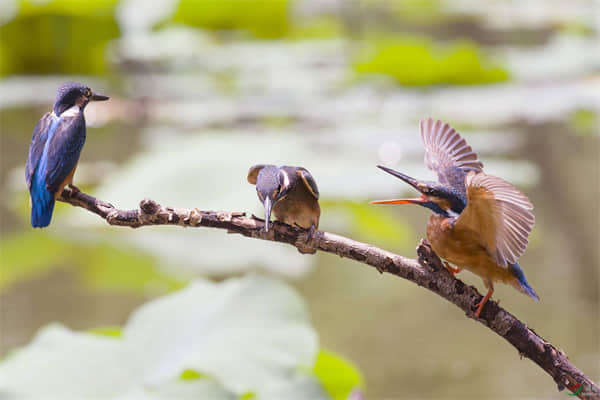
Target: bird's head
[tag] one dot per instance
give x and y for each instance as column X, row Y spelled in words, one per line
column 72, row 93
column 272, row 184
column 440, row 199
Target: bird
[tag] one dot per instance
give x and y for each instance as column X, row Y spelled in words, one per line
column 479, row 222
column 290, row 192
column 56, row 144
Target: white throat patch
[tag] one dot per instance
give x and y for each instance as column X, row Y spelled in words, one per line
column 71, row 112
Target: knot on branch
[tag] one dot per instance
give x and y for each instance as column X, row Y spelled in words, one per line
column 428, row 257
column 149, row 207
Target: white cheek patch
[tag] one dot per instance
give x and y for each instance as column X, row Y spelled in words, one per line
column 71, row 112
column 452, row 213
column 286, row 178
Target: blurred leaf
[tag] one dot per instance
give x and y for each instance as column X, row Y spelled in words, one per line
column 250, row 335
column 338, row 376
column 60, row 36
column 262, row 18
column 417, row 62
column 585, row 122
column 320, row 28
column 112, row 331
column 190, row 374
column 243, row 332
column 103, row 266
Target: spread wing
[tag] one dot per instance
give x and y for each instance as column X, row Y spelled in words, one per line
column 309, row 181
column 253, row 172
column 500, row 214
column 64, row 149
column 38, row 140
column 447, row 153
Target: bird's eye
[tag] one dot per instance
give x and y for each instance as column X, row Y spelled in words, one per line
column 88, row 92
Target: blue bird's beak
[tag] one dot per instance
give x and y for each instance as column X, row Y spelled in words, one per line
column 411, row 181
column 98, row 97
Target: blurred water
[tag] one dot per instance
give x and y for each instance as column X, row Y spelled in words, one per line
column 189, row 113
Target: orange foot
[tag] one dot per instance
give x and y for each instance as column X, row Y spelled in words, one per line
column 451, row 269
column 483, row 301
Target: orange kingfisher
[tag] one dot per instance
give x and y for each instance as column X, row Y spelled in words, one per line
column 480, row 222
column 55, row 147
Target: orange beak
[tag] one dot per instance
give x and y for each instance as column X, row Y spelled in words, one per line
column 411, row 181
column 419, row 200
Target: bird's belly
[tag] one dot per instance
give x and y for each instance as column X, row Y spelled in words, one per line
column 463, row 249
column 302, row 212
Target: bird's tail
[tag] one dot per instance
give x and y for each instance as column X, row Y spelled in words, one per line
column 523, row 284
column 42, row 201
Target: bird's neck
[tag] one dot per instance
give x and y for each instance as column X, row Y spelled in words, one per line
column 66, row 110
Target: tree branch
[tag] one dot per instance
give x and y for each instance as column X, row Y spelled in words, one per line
column 427, row 271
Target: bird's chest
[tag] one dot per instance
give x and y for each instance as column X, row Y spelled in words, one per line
column 298, row 208
column 457, row 246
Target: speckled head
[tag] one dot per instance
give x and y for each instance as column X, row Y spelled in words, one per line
column 73, row 93
column 271, row 186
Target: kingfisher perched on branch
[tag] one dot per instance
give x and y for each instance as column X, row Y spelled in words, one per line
column 54, row 151
column 290, row 192
column 480, row 222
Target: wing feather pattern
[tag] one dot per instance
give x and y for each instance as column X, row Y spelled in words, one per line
column 447, row 153
column 500, row 213
column 38, row 140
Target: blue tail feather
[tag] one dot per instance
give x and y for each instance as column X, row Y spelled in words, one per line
column 42, row 201
column 518, row 273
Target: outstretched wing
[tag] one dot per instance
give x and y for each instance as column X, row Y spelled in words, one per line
column 500, row 214
column 253, row 172
column 38, row 140
column 64, row 148
column 447, row 153
column 309, row 181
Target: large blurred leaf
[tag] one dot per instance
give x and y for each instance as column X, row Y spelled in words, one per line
column 338, row 376
column 263, row 18
column 417, row 62
column 59, row 36
column 248, row 335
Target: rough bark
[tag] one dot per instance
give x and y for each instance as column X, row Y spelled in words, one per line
column 427, row 271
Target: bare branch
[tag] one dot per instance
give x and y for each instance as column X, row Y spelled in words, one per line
column 427, row 272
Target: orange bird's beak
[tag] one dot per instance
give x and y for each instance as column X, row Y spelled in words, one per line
column 411, row 181
column 419, row 200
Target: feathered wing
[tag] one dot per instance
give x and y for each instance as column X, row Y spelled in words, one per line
column 64, row 150
column 253, row 172
column 38, row 140
column 447, row 153
column 308, row 181
column 500, row 214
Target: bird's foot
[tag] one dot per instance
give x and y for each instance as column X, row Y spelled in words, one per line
column 309, row 246
column 73, row 189
column 482, row 302
column 452, row 269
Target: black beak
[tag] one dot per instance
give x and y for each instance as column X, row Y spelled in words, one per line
column 98, row 97
column 268, row 205
column 411, row 181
